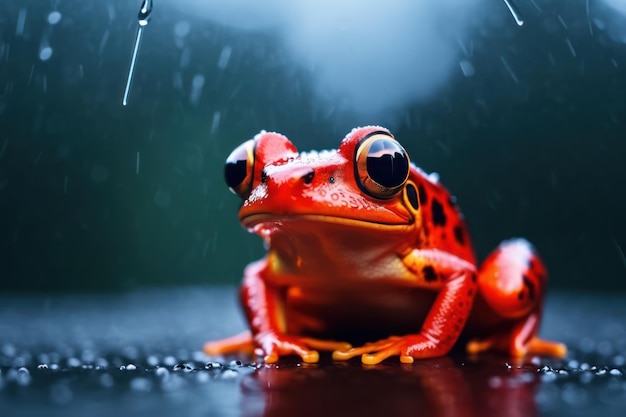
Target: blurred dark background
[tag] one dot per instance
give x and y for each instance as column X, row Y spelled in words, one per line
column 525, row 124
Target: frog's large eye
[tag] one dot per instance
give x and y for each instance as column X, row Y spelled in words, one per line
column 381, row 165
column 239, row 169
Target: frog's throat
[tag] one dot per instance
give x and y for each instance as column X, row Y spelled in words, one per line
column 252, row 220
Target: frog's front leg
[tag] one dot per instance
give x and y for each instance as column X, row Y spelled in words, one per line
column 264, row 308
column 456, row 279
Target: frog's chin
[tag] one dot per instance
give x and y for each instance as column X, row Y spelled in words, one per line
column 271, row 221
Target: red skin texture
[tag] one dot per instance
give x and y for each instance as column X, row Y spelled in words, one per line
column 396, row 271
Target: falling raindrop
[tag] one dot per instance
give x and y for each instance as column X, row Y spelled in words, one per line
column 104, row 41
column 185, row 58
column 144, row 12
column 509, row 70
column 45, row 53
column 143, row 19
column 182, row 29
column 222, row 62
column 196, row 88
column 54, row 17
column 570, row 47
column 514, row 12
column 467, row 68
column 215, row 123
column 21, row 20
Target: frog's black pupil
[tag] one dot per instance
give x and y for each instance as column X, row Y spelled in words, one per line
column 411, row 194
column 235, row 172
column 387, row 164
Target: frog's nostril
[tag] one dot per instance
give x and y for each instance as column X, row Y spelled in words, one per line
column 308, row 177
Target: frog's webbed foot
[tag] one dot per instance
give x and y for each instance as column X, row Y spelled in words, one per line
column 271, row 346
column 521, row 340
column 408, row 348
column 505, row 343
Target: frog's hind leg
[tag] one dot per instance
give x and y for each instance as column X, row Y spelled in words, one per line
column 512, row 283
column 239, row 343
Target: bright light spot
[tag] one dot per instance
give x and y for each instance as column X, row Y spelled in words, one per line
column 368, row 58
column 610, row 16
column 45, row 53
column 617, row 5
column 54, row 17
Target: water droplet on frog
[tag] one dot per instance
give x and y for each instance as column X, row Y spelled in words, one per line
column 514, row 12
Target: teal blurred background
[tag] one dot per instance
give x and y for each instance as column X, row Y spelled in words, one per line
column 525, row 124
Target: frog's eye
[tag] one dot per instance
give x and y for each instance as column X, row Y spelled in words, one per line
column 381, row 165
column 239, row 169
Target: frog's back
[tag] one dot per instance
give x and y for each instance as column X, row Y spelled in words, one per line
column 442, row 223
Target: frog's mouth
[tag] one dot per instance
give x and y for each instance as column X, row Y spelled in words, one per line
column 255, row 220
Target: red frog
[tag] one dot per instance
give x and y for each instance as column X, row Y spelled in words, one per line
column 365, row 247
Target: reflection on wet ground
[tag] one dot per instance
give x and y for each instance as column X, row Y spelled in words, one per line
column 139, row 353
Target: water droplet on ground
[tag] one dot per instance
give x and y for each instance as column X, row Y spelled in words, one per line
column 144, row 12
column 74, row 362
column 23, row 377
column 182, row 367
column 229, row 374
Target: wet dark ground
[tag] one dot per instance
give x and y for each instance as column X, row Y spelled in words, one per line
column 139, row 354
